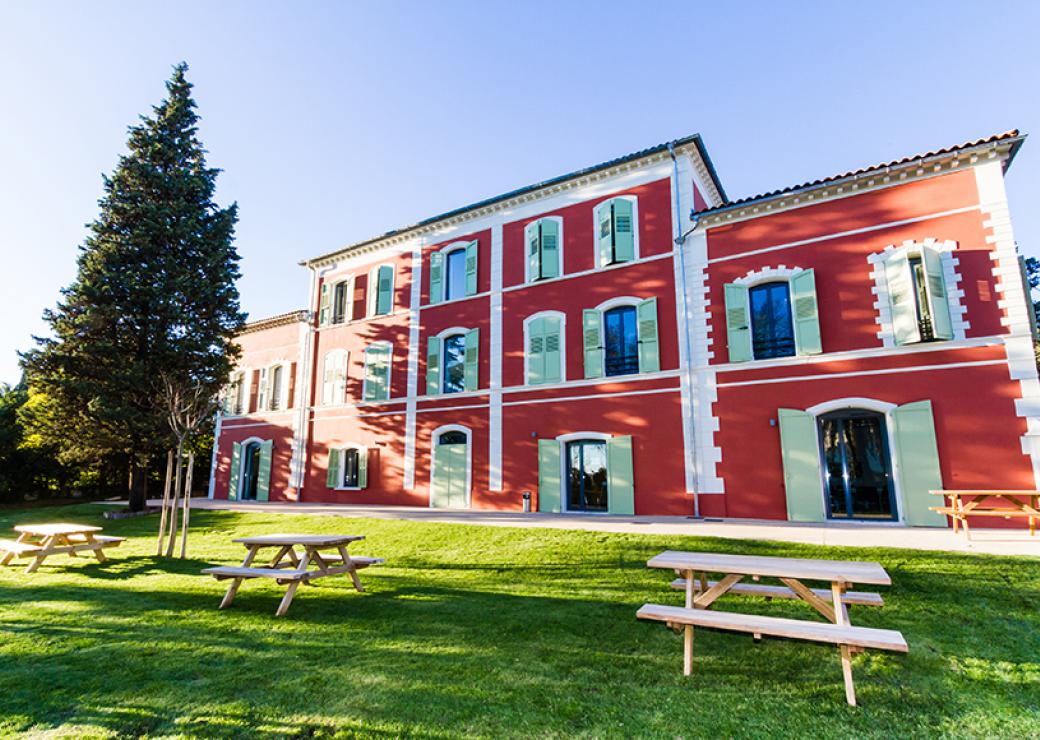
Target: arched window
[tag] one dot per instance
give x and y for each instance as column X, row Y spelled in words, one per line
column 275, row 378
column 621, row 341
column 453, row 437
column 454, row 363
column 455, row 275
column 772, row 328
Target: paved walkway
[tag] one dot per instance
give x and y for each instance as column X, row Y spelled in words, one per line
column 993, row 541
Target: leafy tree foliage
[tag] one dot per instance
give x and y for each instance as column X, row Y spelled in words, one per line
column 154, row 296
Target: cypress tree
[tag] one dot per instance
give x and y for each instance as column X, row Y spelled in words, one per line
column 154, row 297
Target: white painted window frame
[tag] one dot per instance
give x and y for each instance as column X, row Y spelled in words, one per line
column 528, row 278
column 779, row 274
column 442, row 336
column 595, row 230
column 444, row 252
column 340, row 485
column 563, row 345
column 435, row 442
column 562, row 440
column 389, row 371
column 342, row 397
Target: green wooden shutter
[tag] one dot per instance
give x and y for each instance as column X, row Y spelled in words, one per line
column 901, row 298
column 806, row 313
column 803, row 475
column 471, row 268
column 646, row 317
column 263, row 481
column 471, row 365
column 738, row 323
column 917, row 459
column 332, row 475
column 942, row 327
column 536, row 352
column 549, row 486
column 550, row 248
column 621, row 494
column 552, row 327
column 592, row 332
column 326, row 302
column 385, row 297
column 436, row 277
column 433, row 366
column 362, row 471
column 624, row 231
column 234, row 473
column 534, row 252
column 606, row 234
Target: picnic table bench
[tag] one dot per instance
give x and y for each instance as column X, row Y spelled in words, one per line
column 40, row 541
column 1007, row 504
column 289, row 567
column 832, row 604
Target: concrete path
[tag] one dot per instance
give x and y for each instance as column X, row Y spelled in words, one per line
column 992, row 541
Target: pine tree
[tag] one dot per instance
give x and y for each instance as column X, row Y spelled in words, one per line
column 154, row 298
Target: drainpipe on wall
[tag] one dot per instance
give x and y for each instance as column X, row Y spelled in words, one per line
column 680, row 242
column 301, row 436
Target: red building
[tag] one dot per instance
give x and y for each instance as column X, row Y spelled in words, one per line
column 622, row 338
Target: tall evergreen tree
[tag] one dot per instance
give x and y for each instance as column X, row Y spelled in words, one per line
column 154, row 298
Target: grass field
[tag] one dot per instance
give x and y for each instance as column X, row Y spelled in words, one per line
column 482, row 631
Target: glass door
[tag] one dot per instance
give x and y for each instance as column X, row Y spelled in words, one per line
column 251, row 472
column 587, row 476
column 857, row 467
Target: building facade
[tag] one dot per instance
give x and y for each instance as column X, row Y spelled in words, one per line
column 625, row 340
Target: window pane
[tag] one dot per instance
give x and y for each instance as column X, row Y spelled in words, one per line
column 350, row 468
column 276, row 388
column 772, row 331
column 587, row 476
column 621, row 341
column 455, row 275
column 452, row 438
column 921, row 305
column 454, row 364
column 339, row 303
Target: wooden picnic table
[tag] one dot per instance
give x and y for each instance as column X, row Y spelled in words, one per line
column 40, row 541
column 701, row 593
column 290, row 567
column 1007, row 504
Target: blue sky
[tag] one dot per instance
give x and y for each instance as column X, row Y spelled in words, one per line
column 338, row 121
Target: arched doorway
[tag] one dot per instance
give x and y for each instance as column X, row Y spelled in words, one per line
column 250, row 470
column 857, row 465
column 450, row 483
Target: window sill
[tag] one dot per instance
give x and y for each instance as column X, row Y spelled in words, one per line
column 346, row 489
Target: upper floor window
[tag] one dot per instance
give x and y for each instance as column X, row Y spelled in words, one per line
column 453, row 272
column 377, row 372
column 919, row 297
column 620, row 338
column 341, row 302
column 455, row 363
column 616, row 231
column 381, row 291
column 543, row 241
column 452, row 361
column 275, row 378
column 544, row 355
column 334, row 377
column 234, row 400
column 772, row 313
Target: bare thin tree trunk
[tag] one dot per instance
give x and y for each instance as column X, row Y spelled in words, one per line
column 165, row 502
column 176, row 499
column 187, row 503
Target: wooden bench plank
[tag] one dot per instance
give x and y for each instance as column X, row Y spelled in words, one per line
column 228, row 571
column 981, row 512
column 867, row 637
column 18, row 547
column 864, row 598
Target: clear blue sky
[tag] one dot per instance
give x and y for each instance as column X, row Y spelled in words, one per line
column 338, row 121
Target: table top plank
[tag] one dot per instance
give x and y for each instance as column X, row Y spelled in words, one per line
column 763, row 565
column 313, row 540
column 56, row 528
column 987, row 492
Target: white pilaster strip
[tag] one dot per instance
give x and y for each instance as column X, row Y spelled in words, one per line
column 213, row 458
column 682, row 201
column 495, row 401
column 413, row 366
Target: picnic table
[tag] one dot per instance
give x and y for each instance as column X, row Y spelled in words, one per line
column 832, row 603
column 1007, row 504
column 40, row 541
column 290, row 567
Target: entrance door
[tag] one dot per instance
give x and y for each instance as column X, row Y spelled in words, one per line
column 250, row 471
column 857, row 467
column 587, row 476
column 450, row 472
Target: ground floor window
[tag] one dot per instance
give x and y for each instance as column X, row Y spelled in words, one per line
column 857, row 467
column 587, row 486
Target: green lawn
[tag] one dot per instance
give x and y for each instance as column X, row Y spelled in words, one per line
column 490, row 632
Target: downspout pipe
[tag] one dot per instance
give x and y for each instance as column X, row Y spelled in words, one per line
column 680, row 242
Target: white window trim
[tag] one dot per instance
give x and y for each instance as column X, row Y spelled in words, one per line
column 563, row 345
column 346, row 365
column 343, row 465
column 444, row 252
column 563, row 439
column 559, row 248
column 241, row 375
column 389, row 372
column 951, row 277
column 442, row 335
column 434, row 443
column 603, row 308
column 635, row 229
column 283, row 390
column 780, row 274
column 372, row 298
column 240, row 474
column 348, row 308
column 861, row 404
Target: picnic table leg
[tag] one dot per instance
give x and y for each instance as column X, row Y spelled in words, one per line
column 41, row 555
column 97, row 550
column 291, row 591
column 9, row 556
column 351, row 569
column 236, row 582
column 842, row 618
column 688, row 630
